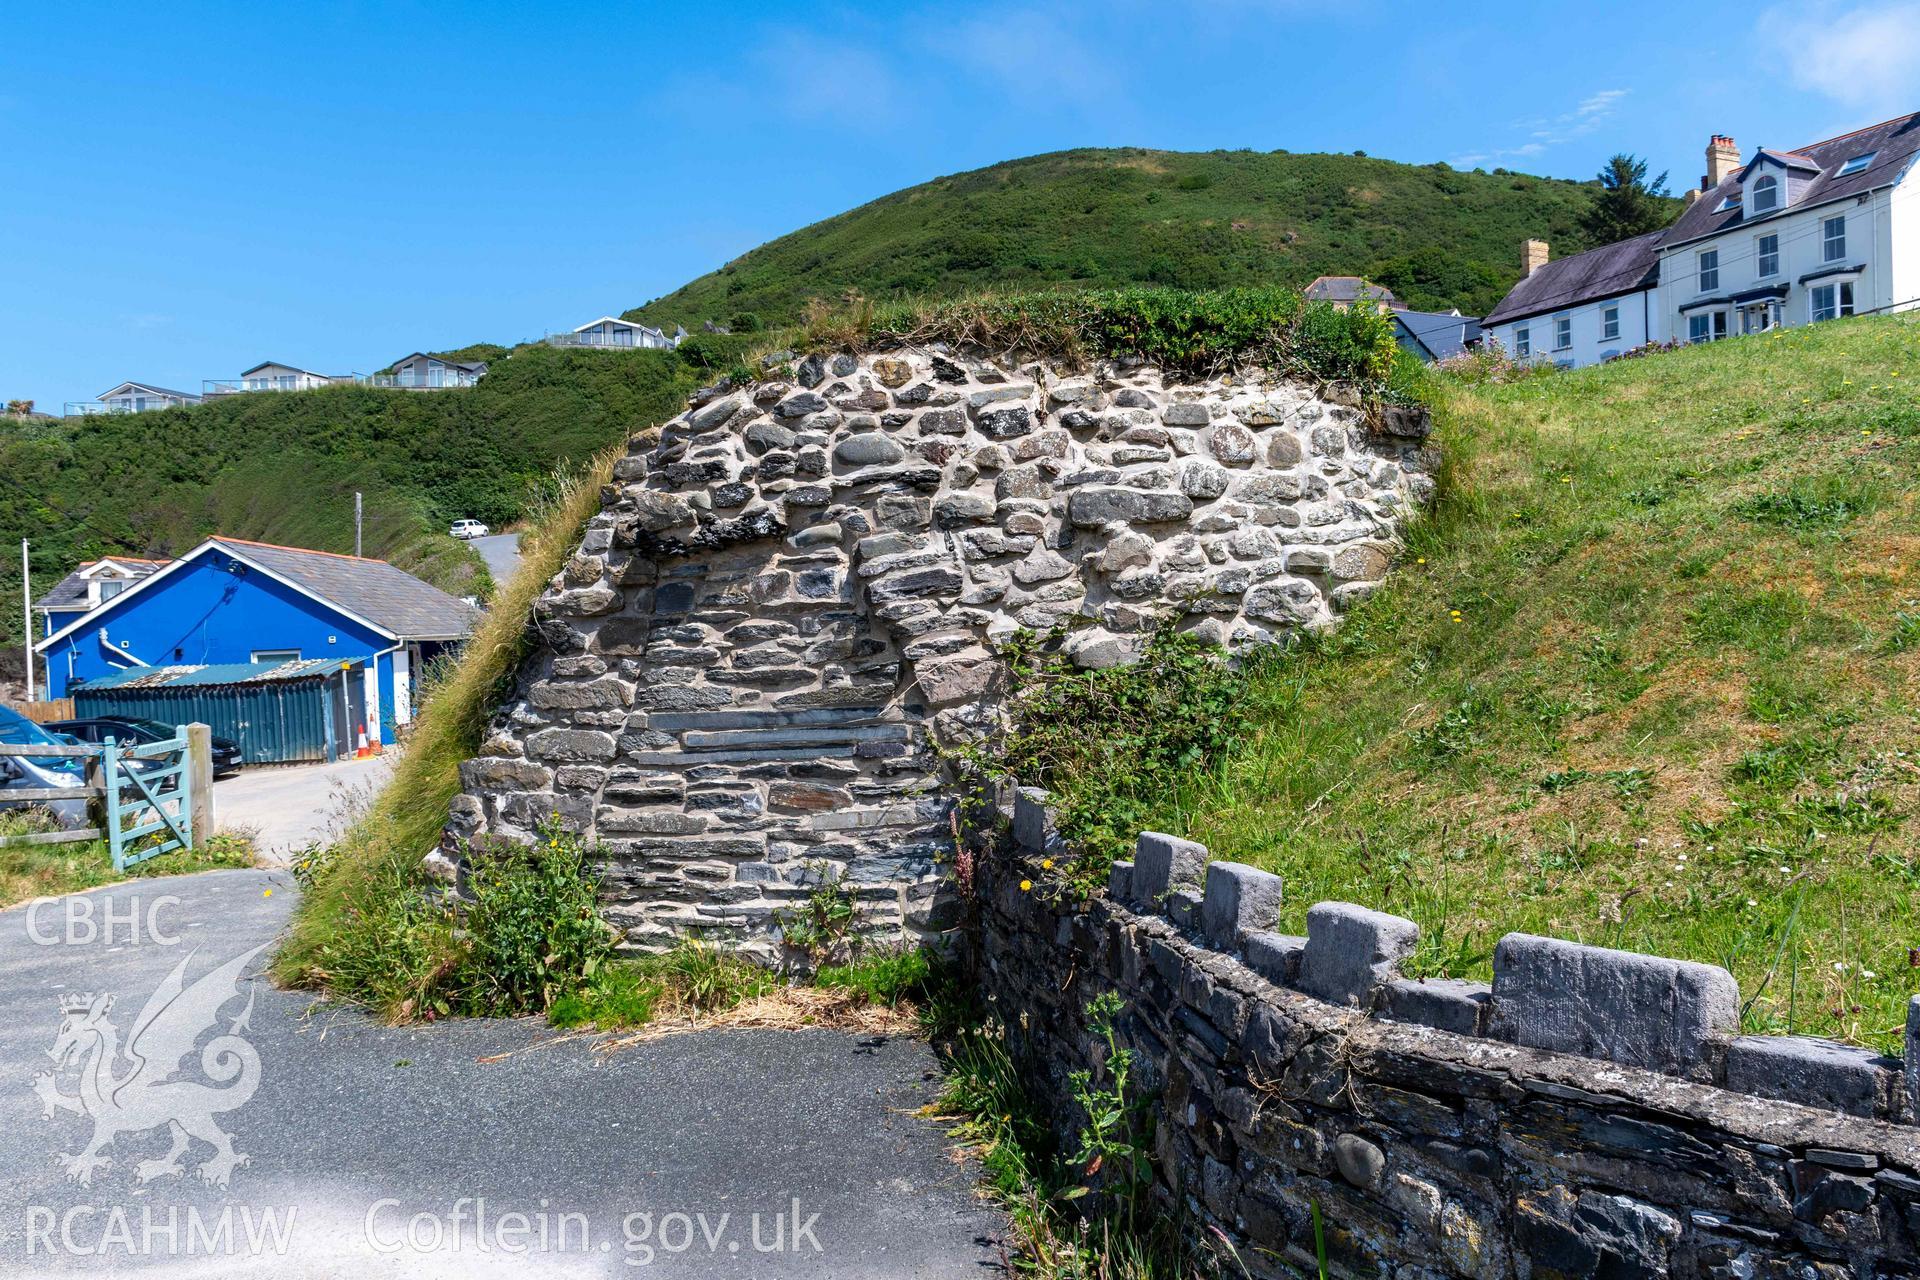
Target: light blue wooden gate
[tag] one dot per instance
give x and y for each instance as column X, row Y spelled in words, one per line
column 149, row 799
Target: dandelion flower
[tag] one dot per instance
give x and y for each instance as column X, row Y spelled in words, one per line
column 1026, row 885
column 1046, row 864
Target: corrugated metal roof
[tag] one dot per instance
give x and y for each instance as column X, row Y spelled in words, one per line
column 218, row 673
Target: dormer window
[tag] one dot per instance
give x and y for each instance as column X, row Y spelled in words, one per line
column 1855, row 165
column 1766, row 193
column 1731, row 202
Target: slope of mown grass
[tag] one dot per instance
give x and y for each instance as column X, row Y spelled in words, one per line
column 1194, row 220
column 1646, row 679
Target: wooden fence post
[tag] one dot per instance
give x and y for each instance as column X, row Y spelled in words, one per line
column 200, row 776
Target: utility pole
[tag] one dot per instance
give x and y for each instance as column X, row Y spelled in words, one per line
column 356, row 522
column 26, row 612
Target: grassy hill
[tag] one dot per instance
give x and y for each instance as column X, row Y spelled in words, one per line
column 1675, row 710
column 1197, row 220
column 284, row 467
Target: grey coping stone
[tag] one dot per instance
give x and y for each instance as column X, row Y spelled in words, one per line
column 682, row 759
column 1913, row 1061
column 1446, row 1004
column 1274, row 956
column 1639, row 1011
column 1813, row 1072
column 1239, row 900
column 1183, row 908
column 858, row 819
column 1120, row 881
column 1162, row 862
column 1030, row 818
column 1351, row 950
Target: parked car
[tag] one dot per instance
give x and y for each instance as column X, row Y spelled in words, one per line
column 19, row 773
column 468, row 529
column 139, row 732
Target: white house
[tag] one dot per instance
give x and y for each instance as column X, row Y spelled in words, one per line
column 423, row 372
column 271, row 375
column 88, row 586
column 612, row 331
column 1583, row 309
column 1793, row 237
column 133, row 397
column 1785, row 238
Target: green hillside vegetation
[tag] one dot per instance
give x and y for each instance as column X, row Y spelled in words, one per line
column 1646, row 679
column 283, row 467
column 1437, row 236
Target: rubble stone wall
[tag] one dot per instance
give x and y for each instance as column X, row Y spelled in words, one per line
column 792, row 591
column 1590, row 1113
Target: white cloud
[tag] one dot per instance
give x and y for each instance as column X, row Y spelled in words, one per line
column 1585, row 117
column 1867, row 56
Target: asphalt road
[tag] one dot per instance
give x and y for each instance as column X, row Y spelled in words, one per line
column 464, row 1149
column 501, row 551
column 288, row 807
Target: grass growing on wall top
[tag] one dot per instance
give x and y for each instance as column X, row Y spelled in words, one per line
column 364, row 928
column 1647, row 678
column 1187, row 333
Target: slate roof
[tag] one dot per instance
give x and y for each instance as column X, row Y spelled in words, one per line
column 1585, row 277
column 1437, row 335
column 1892, row 142
column 392, row 599
column 1346, row 289
column 282, row 364
column 71, row 591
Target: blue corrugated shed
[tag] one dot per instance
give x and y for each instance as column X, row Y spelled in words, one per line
column 279, row 712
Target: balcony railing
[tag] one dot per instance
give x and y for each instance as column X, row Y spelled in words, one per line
column 276, row 382
column 622, row 341
column 88, row 408
column 437, row 380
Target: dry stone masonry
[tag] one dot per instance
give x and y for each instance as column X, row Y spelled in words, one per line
column 792, row 592
column 1590, row 1113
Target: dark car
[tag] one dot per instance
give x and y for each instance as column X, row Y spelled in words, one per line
column 226, row 752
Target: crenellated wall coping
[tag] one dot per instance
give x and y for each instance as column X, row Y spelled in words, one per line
column 1675, row 1018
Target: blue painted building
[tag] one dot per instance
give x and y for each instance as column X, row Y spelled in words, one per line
column 234, row 601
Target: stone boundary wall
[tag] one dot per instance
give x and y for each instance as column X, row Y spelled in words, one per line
column 791, row 594
column 1591, row 1113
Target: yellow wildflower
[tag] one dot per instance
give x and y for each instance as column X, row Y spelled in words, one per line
column 1025, row 885
column 1046, row 864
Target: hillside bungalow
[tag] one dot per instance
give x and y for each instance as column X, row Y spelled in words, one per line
column 271, row 375
column 423, row 372
column 88, row 587
column 614, row 333
column 1344, row 291
column 133, row 397
column 230, row 600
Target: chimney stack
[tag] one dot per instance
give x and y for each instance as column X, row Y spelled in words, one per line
column 1533, row 256
column 1723, row 157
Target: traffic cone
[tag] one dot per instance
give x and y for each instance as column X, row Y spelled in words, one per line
column 361, row 752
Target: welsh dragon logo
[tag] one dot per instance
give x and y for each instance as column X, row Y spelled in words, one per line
column 148, row 1091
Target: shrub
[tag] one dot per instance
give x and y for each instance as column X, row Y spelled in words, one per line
column 534, row 926
column 1107, row 742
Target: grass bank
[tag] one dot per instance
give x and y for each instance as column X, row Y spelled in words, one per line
column 29, row 871
column 1646, row 679
column 368, row 926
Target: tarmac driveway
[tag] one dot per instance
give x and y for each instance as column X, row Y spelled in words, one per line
column 468, row 1148
column 288, row 807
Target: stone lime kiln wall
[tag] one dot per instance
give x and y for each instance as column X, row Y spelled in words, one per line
column 1590, row 1113
column 791, row 593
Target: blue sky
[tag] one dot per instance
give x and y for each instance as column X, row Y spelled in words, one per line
column 192, row 188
